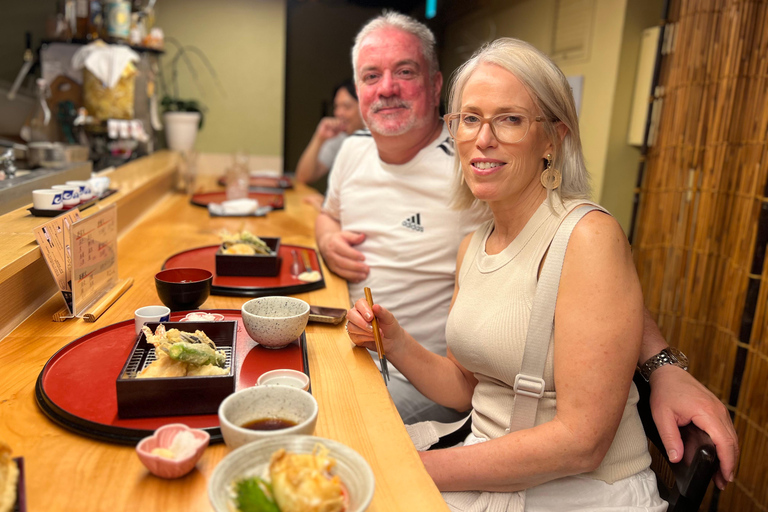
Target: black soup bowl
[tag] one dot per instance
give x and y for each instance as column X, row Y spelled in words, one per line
column 181, row 289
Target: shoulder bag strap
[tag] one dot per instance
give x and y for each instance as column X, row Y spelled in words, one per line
column 529, row 385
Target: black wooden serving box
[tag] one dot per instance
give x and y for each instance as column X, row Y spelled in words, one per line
column 172, row 396
column 253, row 265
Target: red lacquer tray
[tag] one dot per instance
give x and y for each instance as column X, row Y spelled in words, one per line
column 76, row 388
column 243, row 286
column 273, row 199
column 280, row 182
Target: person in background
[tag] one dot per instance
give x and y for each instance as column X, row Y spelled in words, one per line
column 387, row 223
column 318, row 156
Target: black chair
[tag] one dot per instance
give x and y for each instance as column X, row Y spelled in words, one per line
column 694, row 472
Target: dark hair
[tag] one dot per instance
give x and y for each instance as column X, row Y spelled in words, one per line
column 347, row 85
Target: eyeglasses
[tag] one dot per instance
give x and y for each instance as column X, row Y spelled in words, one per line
column 507, row 128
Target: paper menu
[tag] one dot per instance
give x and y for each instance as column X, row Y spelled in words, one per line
column 53, row 239
column 94, row 258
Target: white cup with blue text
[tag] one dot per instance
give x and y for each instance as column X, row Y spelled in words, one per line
column 70, row 194
column 150, row 314
column 47, row 199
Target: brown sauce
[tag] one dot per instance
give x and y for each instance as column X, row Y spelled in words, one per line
column 269, row 424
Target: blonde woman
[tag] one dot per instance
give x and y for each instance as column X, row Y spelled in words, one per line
column 519, row 157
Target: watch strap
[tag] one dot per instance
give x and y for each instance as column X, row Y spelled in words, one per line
column 667, row 356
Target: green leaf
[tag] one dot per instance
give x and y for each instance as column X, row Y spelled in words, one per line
column 251, row 496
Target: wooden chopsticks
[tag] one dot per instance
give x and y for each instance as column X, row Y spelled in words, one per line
column 377, row 338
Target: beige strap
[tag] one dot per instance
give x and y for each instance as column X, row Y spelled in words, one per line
column 529, row 385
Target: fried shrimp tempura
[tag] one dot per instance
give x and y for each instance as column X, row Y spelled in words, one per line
column 302, row 482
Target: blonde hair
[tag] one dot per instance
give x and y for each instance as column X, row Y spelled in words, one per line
column 392, row 19
column 551, row 92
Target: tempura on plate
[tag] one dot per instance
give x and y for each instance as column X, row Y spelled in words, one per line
column 244, row 243
column 293, row 482
column 303, row 482
column 182, row 354
column 9, row 475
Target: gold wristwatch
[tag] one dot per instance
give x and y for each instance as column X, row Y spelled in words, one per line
column 669, row 355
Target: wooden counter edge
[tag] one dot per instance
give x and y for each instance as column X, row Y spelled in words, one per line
column 26, row 283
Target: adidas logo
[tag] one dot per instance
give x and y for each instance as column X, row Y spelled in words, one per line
column 414, row 222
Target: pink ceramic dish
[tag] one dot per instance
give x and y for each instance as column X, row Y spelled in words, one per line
column 202, row 316
column 163, row 438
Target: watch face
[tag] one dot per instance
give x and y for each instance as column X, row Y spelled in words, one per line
column 682, row 358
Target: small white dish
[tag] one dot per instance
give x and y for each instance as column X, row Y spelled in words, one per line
column 284, row 377
column 202, row 316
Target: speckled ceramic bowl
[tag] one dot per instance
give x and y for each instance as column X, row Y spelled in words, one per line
column 163, row 438
column 260, row 402
column 275, row 322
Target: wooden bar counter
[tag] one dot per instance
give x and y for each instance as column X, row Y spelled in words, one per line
column 69, row 472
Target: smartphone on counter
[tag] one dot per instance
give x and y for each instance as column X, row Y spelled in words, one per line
column 326, row 315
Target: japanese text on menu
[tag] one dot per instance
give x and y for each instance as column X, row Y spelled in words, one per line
column 94, row 257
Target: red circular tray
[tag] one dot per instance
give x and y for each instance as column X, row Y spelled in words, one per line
column 76, row 388
column 243, row 286
column 264, row 181
column 273, row 199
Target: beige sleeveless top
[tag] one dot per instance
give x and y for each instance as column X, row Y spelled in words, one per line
column 486, row 332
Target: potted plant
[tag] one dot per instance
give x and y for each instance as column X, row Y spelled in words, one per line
column 183, row 118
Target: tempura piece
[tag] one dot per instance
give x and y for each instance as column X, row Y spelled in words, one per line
column 208, row 369
column 238, row 248
column 163, row 366
column 9, row 475
column 302, row 482
column 180, row 354
column 232, row 243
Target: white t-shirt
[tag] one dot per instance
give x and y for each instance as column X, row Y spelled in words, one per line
column 330, row 149
column 412, row 234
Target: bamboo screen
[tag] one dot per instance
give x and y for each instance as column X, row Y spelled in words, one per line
column 703, row 219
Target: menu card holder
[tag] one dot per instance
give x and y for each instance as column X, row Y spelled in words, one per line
column 82, row 256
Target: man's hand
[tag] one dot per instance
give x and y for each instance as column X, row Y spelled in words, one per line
column 677, row 399
column 347, row 262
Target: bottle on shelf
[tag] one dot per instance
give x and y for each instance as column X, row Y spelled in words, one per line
column 95, row 20
column 117, row 17
column 82, row 8
column 41, row 118
column 70, row 17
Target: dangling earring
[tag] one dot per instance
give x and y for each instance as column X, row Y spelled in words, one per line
column 551, row 177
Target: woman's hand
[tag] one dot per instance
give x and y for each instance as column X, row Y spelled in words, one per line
column 361, row 331
column 329, row 127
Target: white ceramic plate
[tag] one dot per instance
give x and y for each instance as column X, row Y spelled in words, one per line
column 252, row 459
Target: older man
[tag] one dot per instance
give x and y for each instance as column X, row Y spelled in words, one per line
column 387, row 224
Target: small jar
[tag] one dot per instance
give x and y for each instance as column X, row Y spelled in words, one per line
column 117, row 15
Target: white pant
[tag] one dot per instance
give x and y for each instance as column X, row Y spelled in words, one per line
column 411, row 404
column 415, row 407
column 637, row 493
